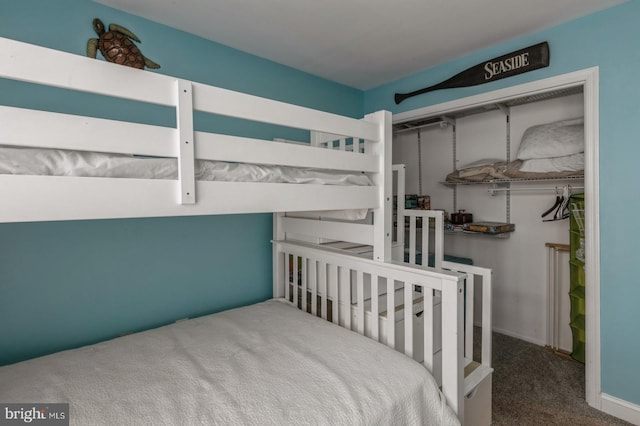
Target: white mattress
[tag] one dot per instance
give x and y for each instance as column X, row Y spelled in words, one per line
column 263, row 364
column 58, row 162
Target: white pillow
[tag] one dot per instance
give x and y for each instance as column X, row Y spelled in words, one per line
column 567, row 163
column 552, row 140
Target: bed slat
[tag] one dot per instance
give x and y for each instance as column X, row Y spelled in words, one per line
column 345, row 288
column 439, row 237
column 322, row 278
column 412, row 241
column 334, row 293
column 303, row 284
column 23, row 62
column 65, row 131
column 287, row 276
column 408, row 319
column 359, row 233
column 391, row 313
column 216, row 100
column 215, row 146
column 360, row 306
column 296, row 280
column 375, row 308
column 313, row 283
column 425, row 240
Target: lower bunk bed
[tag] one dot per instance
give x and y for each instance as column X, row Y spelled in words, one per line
column 271, row 363
column 264, row 364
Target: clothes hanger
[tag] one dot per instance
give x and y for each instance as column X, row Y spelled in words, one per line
column 564, row 211
column 555, row 206
column 561, row 206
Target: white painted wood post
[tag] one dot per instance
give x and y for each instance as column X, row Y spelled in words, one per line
column 278, row 257
column 295, row 281
column 303, row 284
column 375, row 308
column 382, row 215
column 313, row 283
column 429, row 330
column 400, row 169
column 360, row 305
column 323, row 288
column 439, row 239
column 487, row 317
column 408, row 319
column 470, row 285
column 453, row 345
column 391, row 313
column 186, row 143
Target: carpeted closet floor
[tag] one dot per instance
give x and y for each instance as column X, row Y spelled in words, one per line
column 534, row 386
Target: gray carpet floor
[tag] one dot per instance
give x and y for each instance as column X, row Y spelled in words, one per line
column 534, row 386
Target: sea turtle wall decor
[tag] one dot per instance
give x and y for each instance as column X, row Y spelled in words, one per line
column 116, row 46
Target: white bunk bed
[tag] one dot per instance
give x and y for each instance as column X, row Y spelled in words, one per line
column 320, row 273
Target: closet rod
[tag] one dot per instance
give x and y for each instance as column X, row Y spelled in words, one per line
column 443, row 122
column 555, row 188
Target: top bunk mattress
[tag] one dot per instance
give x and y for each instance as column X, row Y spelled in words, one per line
column 58, row 162
column 267, row 363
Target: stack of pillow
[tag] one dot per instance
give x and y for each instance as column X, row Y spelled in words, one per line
column 550, row 150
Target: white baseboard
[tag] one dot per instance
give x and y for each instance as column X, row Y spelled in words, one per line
column 518, row 336
column 620, row 408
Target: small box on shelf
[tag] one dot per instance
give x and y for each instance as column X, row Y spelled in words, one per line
column 414, row 201
column 490, row 227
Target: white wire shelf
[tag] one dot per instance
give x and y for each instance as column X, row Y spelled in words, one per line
column 513, row 180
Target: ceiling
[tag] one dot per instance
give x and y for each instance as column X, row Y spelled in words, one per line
column 360, row 43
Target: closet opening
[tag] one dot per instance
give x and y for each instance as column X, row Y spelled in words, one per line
column 485, row 130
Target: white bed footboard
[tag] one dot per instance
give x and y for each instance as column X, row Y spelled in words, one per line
column 326, row 282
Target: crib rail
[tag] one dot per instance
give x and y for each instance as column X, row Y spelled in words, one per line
column 372, row 298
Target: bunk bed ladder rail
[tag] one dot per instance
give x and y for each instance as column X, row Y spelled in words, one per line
column 427, row 219
column 338, row 287
column 419, row 255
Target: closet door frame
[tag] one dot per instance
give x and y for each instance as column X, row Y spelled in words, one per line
column 588, row 79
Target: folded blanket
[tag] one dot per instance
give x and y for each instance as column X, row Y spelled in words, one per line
column 480, row 173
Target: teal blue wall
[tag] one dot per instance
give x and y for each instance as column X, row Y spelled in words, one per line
column 608, row 39
column 67, row 284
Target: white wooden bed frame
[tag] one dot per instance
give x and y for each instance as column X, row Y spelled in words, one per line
column 49, row 198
